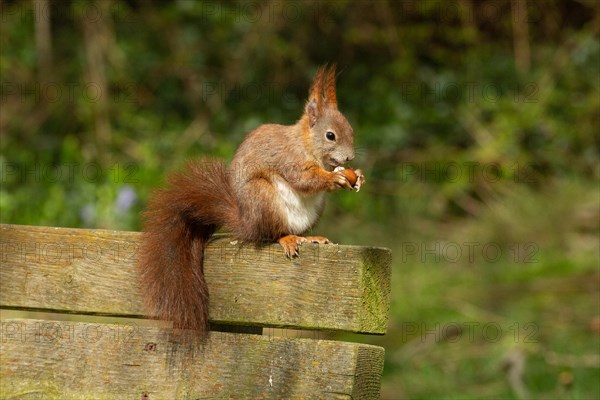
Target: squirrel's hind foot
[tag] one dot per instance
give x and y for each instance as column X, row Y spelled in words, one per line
column 291, row 243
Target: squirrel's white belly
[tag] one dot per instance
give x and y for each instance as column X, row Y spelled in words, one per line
column 302, row 211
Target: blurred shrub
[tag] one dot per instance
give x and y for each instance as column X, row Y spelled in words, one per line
column 134, row 89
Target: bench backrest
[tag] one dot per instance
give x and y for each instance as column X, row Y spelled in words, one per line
column 92, row 272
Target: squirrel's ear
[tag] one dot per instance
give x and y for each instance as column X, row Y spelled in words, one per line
column 312, row 111
column 314, row 106
column 329, row 88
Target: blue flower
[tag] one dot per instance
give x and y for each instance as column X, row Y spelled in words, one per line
column 125, row 199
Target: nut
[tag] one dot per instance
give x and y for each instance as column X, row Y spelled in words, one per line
column 351, row 176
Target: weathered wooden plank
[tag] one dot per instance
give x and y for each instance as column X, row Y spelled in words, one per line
column 328, row 287
column 66, row 360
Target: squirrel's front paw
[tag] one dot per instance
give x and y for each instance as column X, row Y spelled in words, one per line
column 354, row 177
column 338, row 180
column 360, row 179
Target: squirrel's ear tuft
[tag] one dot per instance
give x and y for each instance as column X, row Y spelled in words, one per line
column 329, row 88
column 314, row 106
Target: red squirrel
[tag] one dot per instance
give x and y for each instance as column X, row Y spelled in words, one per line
column 273, row 191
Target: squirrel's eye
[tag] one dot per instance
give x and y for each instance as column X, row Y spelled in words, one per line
column 330, row 135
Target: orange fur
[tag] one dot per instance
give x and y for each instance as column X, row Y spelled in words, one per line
column 329, row 88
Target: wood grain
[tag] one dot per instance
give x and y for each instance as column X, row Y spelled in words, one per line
column 329, row 287
column 67, row 360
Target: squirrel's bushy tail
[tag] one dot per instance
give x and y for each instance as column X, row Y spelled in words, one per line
column 178, row 221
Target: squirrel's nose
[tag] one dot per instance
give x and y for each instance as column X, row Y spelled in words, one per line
column 350, row 157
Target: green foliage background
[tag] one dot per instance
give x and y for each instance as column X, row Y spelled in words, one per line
column 476, row 122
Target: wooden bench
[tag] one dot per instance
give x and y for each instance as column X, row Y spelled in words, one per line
column 92, row 272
